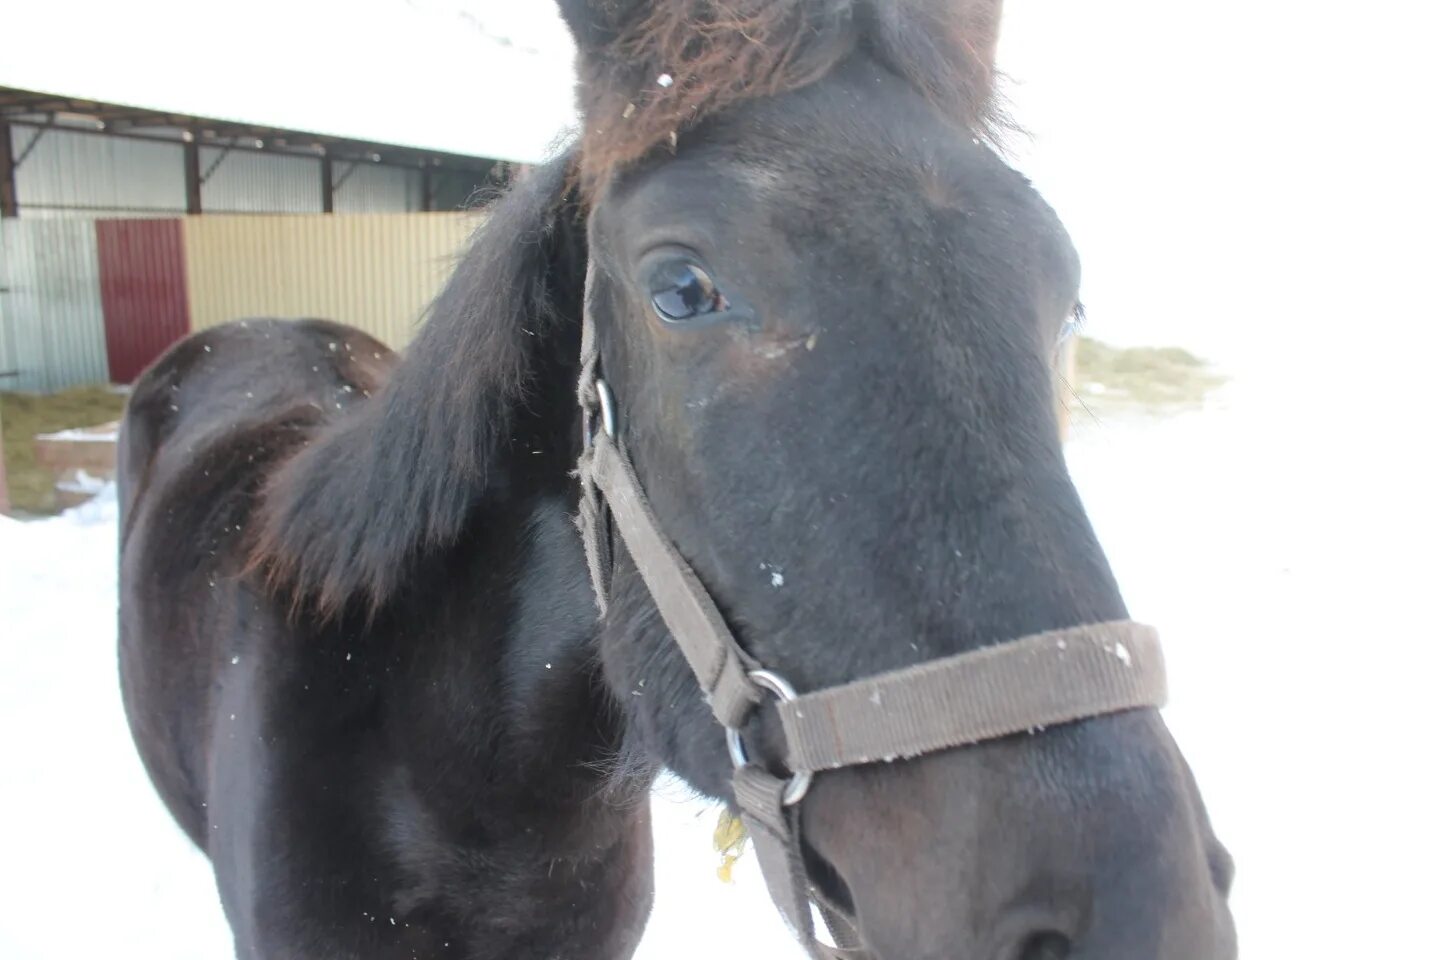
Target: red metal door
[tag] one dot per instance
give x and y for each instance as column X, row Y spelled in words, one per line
column 142, row 291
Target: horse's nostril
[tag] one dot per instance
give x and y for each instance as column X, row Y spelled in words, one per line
column 1048, row 945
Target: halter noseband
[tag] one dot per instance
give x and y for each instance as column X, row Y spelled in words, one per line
column 1020, row 685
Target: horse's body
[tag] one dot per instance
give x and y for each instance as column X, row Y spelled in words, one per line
column 413, row 787
column 360, row 648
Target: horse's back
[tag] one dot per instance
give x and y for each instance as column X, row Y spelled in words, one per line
column 204, row 426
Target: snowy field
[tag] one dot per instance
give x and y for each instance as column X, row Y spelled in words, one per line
column 1297, row 629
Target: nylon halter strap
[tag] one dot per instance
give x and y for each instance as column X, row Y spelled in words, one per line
column 1012, row 687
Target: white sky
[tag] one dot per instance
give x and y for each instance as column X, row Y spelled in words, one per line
column 410, row 72
column 1253, row 179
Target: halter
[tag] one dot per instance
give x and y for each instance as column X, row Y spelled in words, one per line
column 1020, row 685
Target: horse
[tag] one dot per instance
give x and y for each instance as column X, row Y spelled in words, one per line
column 361, row 650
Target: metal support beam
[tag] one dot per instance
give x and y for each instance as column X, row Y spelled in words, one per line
column 346, row 175
column 140, row 121
column 192, row 173
column 30, row 147
column 9, row 200
column 45, row 106
column 327, row 185
column 215, row 164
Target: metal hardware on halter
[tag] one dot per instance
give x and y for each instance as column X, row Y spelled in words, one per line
column 607, row 408
column 799, row 783
column 603, row 411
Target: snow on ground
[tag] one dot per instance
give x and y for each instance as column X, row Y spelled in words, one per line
column 1294, row 604
column 93, row 865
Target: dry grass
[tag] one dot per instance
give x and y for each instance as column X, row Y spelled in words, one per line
column 23, row 415
column 1152, row 379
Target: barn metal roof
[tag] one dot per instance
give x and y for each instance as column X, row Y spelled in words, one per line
column 46, row 111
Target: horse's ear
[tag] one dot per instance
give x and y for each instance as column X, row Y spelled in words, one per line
column 349, row 517
column 979, row 24
column 595, row 23
column 908, row 24
column 946, row 48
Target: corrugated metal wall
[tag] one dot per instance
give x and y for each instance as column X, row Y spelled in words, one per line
column 243, row 181
column 82, row 174
column 72, row 173
column 376, row 188
column 377, row 272
column 92, row 300
column 142, row 290
column 52, row 329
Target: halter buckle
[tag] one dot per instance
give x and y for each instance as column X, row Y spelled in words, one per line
column 799, row 783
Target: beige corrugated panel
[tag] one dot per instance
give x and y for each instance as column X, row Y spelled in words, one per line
column 377, row 272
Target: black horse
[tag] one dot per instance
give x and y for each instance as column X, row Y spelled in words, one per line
column 359, row 644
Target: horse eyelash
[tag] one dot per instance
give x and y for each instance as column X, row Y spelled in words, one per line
column 1074, row 323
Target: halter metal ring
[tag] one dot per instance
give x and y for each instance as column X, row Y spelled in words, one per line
column 607, row 407
column 799, row 783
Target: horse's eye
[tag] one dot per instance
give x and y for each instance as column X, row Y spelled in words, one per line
column 682, row 293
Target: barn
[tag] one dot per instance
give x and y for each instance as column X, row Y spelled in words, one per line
column 143, row 197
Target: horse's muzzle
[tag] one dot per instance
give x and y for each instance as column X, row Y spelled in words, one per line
column 1084, row 842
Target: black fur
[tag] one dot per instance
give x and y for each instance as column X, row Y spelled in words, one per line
column 439, row 439
column 443, row 762
column 359, row 649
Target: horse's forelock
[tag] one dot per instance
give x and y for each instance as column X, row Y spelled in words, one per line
column 680, row 61
column 650, row 70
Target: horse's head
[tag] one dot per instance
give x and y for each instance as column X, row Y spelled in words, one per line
column 827, row 313
column 828, row 316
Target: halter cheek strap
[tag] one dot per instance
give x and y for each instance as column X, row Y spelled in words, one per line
column 1013, row 687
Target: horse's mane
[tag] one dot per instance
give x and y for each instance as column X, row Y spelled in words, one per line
column 349, row 515
column 650, row 70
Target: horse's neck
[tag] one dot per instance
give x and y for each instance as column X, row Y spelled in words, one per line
column 504, row 739
column 495, row 651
